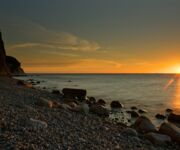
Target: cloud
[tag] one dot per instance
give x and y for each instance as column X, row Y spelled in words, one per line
column 35, row 35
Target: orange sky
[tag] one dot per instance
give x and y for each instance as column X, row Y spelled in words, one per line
column 93, row 36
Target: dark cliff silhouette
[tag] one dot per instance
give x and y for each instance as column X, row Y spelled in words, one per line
column 8, row 64
column 4, row 70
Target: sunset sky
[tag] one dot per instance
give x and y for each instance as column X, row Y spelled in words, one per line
column 93, row 36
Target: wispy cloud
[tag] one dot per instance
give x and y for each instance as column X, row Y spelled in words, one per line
column 38, row 36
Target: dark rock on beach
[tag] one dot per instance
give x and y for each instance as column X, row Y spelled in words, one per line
column 174, row 118
column 170, row 130
column 80, row 94
column 144, row 125
column 158, row 139
column 101, row 102
column 116, row 105
column 160, row 116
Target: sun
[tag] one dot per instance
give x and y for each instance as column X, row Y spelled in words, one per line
column 178, row 70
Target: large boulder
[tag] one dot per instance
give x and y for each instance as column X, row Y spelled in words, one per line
column 170, row 130
column 174, row 118
column 14, row 65
column 144, row 125
column 79, row 94
column 4, row 71
column 158, row 139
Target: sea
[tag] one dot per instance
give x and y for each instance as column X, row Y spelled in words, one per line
column 151, row 92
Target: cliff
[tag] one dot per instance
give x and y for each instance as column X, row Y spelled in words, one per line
column 8, row 64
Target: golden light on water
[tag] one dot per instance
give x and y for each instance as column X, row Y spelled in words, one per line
column 176, row 98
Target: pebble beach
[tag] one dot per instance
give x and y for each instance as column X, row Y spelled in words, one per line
column 26, row 125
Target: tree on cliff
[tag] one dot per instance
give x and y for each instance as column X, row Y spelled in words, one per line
column 3, row 66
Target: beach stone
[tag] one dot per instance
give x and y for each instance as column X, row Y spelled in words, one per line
column 101, row 102
column 141, row 111
column 160, row 116
column 99, row 110
column 92, row 100
column 116, row 104
column 74, row 93
column 55, row 92
column 134, row 114
column 158, row 139
column 84, row 108
column 129, row 132
column 37, row 124
column 72, row 104
column 170, row 130
column 134, row 108
column 25, row 84
column 174, row 118
column 144, row 125
column 44, row 102
column 168, row 110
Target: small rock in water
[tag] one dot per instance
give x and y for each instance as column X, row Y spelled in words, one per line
column 101, row 102
column 55, row 92
column 134, row 108
column 116, row 104
column 168, row 110
column 37, row 124
column 92, row 100
column 158, row 139
column 134, row 114
column 141, row 111
column 160, row 116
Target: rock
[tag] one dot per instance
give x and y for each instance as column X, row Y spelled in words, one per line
column 160, row 116
column 14, row 66
column 134, row 114
column 55, row 92
column 141, row 111
column 144, row 125
column 99, row 110
column 37, row 124
column 84, row 108
column 72, row 104
column 158, row 139
column 4, row 70
column 170, row 130
column 25, row 84
column 168, row 110
column 101, row 102
column 174, row 118
column 134, row 108
column 129, row 132
column 44, row 102
column 116, row 104
column 92, row 100
column 80, row 94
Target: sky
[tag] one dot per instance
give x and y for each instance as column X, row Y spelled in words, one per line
column 93, row 36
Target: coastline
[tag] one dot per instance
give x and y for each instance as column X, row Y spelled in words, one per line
column 58, row 127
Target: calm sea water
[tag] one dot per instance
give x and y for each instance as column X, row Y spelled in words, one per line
column 152, row 92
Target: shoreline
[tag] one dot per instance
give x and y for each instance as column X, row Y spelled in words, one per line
column 24, row 124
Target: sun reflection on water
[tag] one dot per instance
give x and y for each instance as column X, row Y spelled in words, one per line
column 175, row 102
